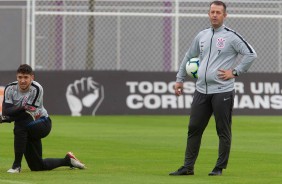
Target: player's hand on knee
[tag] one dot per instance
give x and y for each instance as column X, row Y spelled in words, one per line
column 30, row 108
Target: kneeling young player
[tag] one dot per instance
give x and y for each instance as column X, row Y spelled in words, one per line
column 23, row 104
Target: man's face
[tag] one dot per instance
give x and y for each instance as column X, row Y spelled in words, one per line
column 217, row 15
column 24, row 80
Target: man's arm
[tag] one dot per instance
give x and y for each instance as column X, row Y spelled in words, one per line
column 8, row 108
column 249, row 54
column 11, row 110
column 193, row 51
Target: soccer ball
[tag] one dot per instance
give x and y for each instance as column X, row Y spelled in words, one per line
column 192, row 67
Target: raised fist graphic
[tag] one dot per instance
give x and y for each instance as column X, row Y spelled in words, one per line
column 84, row 96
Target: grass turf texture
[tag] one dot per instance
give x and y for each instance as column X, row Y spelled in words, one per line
column 144, row 149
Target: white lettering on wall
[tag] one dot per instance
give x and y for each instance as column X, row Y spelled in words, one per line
column 160, row 95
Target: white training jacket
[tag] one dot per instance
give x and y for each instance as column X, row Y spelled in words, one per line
column 217, row 49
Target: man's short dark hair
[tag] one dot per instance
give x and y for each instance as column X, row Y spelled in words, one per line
column 25, row 69
column 219, row 3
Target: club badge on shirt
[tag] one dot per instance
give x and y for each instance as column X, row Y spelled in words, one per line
column 220, row 43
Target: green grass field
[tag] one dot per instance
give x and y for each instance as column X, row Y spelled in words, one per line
column 144, row 149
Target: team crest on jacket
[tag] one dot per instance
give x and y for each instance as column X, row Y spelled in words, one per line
column 220, row 43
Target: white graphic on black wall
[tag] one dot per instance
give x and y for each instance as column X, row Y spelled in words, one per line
column 84, row 96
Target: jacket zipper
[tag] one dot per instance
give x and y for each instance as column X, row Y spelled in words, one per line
column 208, row 63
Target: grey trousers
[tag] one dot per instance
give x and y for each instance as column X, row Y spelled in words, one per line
column 203, row 106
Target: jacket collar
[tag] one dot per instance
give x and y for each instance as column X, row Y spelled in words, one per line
column 219, row 29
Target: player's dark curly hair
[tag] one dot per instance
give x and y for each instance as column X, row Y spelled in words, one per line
column 25, row 69
column 219, row 3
